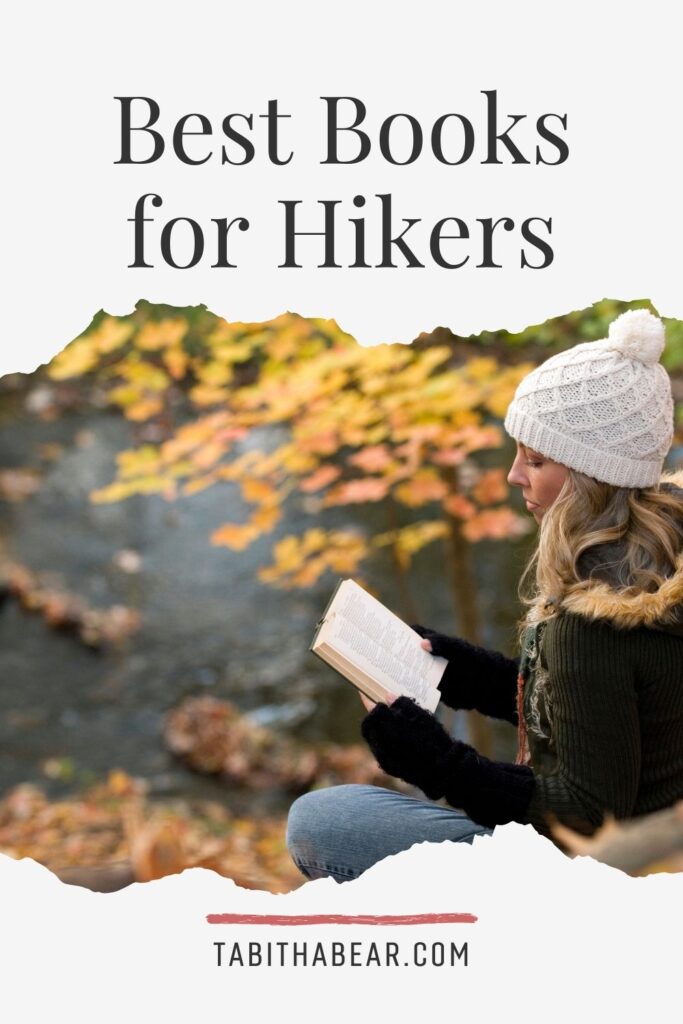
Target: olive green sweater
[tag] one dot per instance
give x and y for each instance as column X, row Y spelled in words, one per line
column 603, row 707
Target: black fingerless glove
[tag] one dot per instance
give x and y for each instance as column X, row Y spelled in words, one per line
column 475, row 678
column 411, row 744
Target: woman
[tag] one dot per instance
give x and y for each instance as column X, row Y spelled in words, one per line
column 597, row 696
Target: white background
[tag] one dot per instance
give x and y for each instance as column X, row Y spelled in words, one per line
column 556, row 939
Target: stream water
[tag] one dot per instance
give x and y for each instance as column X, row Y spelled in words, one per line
column 207, row 624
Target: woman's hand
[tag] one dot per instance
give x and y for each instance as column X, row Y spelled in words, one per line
column 370, row 705
column 409, row 743
column 438, row 643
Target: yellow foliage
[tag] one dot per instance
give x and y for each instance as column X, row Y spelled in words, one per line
column 112, row 492
column 300, row 561
column 259, row 491
column 503, row 388
column 145, row 375
column 142, row 485
column 408, row 540
column 76, row 359
column 361, row 424
column 208, row 454
column 214, row 373
column 111, row 334
column 313, row 540
column 200, row 483
column 138, row 461
column 206, row 394
column 155, row 335
column 234, row 352
column 144, row 409
column 266, row 518
column 176, row 362
column 482, row 369
column 125, row 395
column 83, row 354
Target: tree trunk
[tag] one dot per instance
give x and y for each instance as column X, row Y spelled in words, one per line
column 408, row 608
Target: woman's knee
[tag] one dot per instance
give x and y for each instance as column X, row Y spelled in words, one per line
column 313, row 829
column 312, row 814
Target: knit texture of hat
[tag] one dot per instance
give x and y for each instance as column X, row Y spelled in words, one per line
column 603, row 407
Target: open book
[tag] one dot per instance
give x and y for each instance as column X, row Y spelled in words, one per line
column 374, row 649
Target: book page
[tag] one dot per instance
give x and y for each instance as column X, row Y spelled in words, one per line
column 383, row 646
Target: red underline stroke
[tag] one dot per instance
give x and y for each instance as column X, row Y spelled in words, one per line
column 374, row 919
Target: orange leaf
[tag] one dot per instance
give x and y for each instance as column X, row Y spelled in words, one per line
column 353, row 492
column 322, row 443
column 235, row 536
column 491, row 487
column 266, row 518
column 459, row 506
column 495, row 524
column 373, row 459
column 260, row 491
column 207, row 455
column 425, row 486
column 449, row 457
column 321, row 478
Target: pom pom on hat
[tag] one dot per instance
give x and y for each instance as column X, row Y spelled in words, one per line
column 637, row 334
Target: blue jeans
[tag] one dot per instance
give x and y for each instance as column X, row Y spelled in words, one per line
column 343, row 830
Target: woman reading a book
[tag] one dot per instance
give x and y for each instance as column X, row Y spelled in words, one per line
column 597, row 694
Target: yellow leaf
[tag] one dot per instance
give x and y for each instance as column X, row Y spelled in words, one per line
column 207, row 454
column 258, row 491
column 144, row 409
column 214, row 373
column 200, row 483
column 481, row 369
column 161, row 334
column 205, row 394
column 136, row 461
column 77, row 358
column 176, row 362
column 286, row 553
column 266, row 518
column 113, row 492
column 310, row 573
column 313, row 540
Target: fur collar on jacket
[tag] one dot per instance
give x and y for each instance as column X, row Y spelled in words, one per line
column 601, row 598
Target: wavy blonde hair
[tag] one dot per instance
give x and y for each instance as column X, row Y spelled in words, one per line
column 642, row 525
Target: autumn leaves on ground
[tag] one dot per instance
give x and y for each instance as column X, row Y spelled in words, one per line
column 412, row 432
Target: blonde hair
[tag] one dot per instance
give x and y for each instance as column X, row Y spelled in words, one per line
column 640, row 525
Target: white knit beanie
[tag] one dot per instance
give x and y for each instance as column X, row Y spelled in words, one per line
column 603, row 407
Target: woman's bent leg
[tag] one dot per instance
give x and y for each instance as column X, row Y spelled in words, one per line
column 343, row 830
